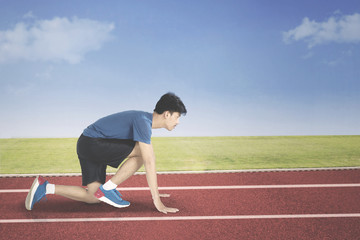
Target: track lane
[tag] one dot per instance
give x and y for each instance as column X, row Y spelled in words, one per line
column 322, row 228
column 211, row 179
column 196, row 203
column 199, row 203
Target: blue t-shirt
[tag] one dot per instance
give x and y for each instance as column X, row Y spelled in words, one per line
column 134, row 125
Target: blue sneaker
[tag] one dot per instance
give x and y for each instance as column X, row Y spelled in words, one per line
column 36, row 192
column 112, row 197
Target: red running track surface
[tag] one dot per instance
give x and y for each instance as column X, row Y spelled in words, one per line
column 194, row 203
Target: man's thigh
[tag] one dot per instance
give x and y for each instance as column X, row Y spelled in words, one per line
column 136, row 152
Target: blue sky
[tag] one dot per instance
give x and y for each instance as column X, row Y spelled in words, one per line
column 242, row 68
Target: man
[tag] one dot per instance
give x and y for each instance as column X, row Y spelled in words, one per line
column 109, row 141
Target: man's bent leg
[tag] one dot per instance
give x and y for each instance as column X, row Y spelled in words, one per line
column 107, row 193
column 78, row 193
column 129, row 167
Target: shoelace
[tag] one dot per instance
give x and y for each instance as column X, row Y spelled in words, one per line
column 118, row 193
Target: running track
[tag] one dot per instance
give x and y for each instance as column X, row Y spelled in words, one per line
column 322, row 204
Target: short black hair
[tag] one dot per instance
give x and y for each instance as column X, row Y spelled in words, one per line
column 170, row 102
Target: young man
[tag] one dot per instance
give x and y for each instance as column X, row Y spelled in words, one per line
column 109, row 141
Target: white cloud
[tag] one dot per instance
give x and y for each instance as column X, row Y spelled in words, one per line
column 29, row 15
column 340, row 29
column 58, row 39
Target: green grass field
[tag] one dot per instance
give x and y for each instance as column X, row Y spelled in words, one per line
column 58, row 155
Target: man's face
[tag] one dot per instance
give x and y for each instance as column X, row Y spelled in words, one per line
column 172, row 120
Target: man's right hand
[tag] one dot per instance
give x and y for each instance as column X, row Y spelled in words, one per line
column 162, row 208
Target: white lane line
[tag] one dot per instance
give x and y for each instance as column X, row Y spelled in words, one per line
column 219, row 187
column 182, row 218
column 196, row 172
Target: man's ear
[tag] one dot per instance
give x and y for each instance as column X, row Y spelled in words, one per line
column 167, row 114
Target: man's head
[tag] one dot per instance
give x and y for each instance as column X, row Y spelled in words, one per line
column 170, row 102
column 171, row 108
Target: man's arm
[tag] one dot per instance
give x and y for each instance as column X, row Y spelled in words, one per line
column 148, row 157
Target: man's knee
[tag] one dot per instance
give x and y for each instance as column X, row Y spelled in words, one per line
column 90, row 191
column 136, row 152
column 90, row 198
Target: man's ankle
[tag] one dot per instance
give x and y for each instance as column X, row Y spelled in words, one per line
column 109, row 185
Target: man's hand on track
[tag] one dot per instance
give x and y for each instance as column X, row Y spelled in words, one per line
column 161, row 207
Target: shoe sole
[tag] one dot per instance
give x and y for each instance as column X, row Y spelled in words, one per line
column 106, row 200
column 30, row 196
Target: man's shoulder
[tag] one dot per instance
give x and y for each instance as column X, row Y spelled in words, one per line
column 129, row 114
column 133, row 116
column 139, row 114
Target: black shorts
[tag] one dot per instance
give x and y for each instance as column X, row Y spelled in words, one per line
column 95, row 154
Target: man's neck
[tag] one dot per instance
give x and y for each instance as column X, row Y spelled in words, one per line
column 158, row 121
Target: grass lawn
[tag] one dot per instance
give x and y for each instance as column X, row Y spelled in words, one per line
column 58, row 155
